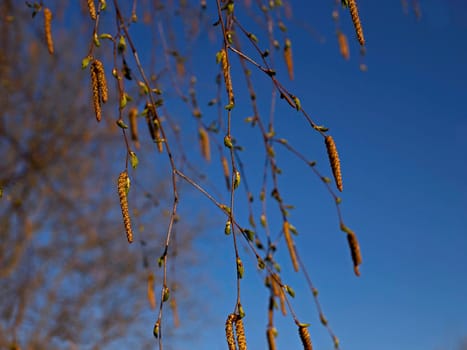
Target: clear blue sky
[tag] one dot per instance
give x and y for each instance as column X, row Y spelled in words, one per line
column 401, row 129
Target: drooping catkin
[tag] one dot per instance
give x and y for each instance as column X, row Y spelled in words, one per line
column 343, row 45
column 123, row 186
column 290, row 245
column 48, row 30
column 334, row 161
column 174, row 308
column 102, row 82
column 229, row 333
column 271, row 339
column 278, row 292
column 92, row 9
column 356, row 21
column 151, row 293
column 227, row 77
column 240, row 330
column 355, row 251
column 225, row 168
column 204, row 143
column 96, row 95
column 288, row 58
column 157, row 131
column 132, row 116
column 305, row 337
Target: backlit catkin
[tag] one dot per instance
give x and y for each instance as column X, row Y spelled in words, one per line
column 123, row 184
column 343, row 45
column 334, row 161
column 173, row 306
column 240, row 330
column 132, row 116
column 48, row 30
column 151, row 294
column 356, row 21
column 92, row 9
column 355, row 251
column 225, row 168
column 229, row 333
column 104, row 92
column 99, row 87
column 278, row 292
column 271, row 339
column 204, row 144
column 227, row 76
column 290, row 245
column 305, row 338
column 96, row 95
column 289, row 58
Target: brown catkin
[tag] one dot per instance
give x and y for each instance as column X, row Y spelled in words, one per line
column 278, row 292
column 174, row 307
column 48, row 30
column 227, row 76
column 123, row 181
column 92, row 9
column 355, row 251
column 151, row 294
column 305, row 338
column 229, row 333
column 343, row 45
column 334, row 161
column 102, row 83
column 240, row 330
column 95, row 94
column 290, row 245
column 356, row 21
column 180, row 66
column 271, row 339
column 132, row 116
column 204, row 144
column 288, row 58
column 157, row 131
column 225, row 168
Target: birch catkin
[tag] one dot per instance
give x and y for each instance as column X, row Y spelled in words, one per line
column 356, row 21
column 100, row 93
column 204, row 144
column 132, row 116
column 92, row 9
column 305, row 338
column 290, row 245
column 102, row 82
column 343, row 45
column 289, row 58
column 227, row 77
column 354, row 251
column 334, row 161
column 225, row 168
column 173, row 306
column 271, row 339
column 123, row 185
column 48, row 30
column 229, row 333
column 96, row 101
column 240, row 330
column 150, row 291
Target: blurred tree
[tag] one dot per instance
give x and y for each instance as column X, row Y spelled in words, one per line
column 66, row 279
